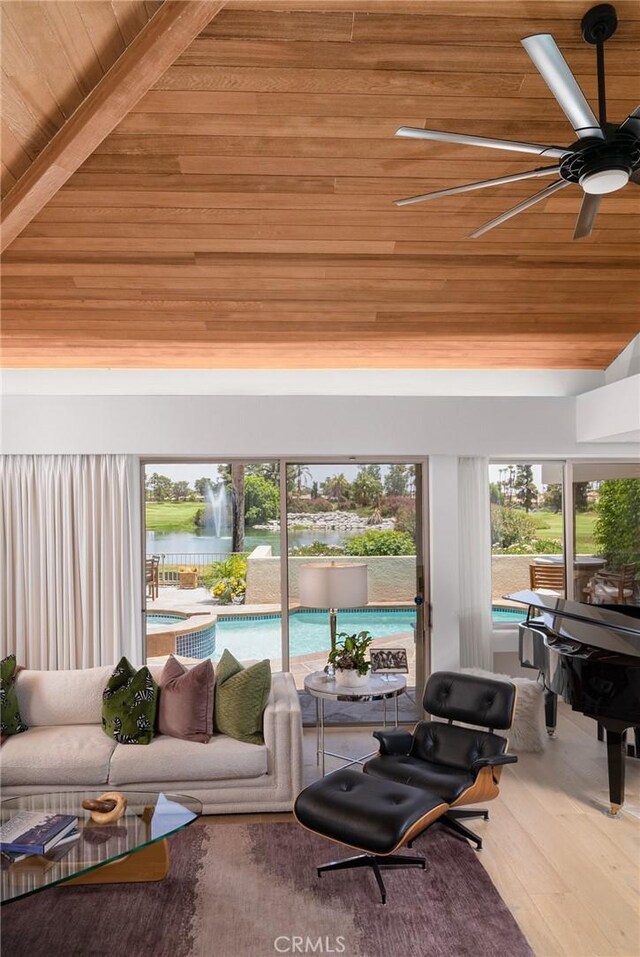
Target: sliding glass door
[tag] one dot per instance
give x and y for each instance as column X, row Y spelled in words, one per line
column 369, row 515
column 214, row 538
column 605, row 503
column 212, row 559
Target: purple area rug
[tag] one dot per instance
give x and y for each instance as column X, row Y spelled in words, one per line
column 238, row 890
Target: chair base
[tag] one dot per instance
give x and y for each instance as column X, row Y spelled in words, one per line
column 376, row 862
column 452, row 820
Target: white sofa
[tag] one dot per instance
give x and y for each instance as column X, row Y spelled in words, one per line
column 65, row 749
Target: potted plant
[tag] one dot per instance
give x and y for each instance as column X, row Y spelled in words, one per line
column 229, row 591
column 348, row 659
column 223, row 591
column 238, row 589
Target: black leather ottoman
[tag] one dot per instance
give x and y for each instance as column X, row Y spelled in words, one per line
column 369, row 814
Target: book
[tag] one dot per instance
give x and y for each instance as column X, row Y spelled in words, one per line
column 34, row 832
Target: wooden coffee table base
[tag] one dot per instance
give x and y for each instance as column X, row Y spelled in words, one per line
column 150, row 863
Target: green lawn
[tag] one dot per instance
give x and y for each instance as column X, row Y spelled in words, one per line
column 171, row 516
column 549, row 525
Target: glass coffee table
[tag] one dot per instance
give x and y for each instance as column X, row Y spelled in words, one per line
column 133, row 848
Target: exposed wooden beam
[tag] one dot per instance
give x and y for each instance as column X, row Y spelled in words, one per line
column 176, row 24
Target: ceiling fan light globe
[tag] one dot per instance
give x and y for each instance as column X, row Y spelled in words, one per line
column 604, row 181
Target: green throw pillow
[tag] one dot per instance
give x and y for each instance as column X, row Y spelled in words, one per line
column 241, row 697
column 10, row 720
column 129, row 704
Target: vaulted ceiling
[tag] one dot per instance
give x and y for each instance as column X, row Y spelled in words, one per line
column 241, row 214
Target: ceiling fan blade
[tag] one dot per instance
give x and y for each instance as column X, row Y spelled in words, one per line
column 469, row 187
column 587, row 215
column 632, row 123
column 440, row 136
column 553, row 68
column 525, row 204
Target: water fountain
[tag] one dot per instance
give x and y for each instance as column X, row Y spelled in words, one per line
column 217, row 507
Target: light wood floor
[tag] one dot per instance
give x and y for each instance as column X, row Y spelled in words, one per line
column 569, row 873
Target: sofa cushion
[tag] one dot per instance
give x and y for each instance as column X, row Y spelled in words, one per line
column 49, row 698
column 57, row 755
column 185, row 706
column 169, row 759
column 241, row 697
column 129, row 704
column 10, row 718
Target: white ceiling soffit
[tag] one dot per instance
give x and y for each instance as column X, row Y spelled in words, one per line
column 377, row 382
column 610, row 413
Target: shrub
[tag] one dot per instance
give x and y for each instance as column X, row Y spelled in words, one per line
column 406, row 520
column 392, row 504
column 318, row 548
column 381, row 543
column 297, row 505
column 539, row 546
column 617, row 527
column 261, row 500
column 511, row 526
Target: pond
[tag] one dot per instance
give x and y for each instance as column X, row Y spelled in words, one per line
column 198, row 543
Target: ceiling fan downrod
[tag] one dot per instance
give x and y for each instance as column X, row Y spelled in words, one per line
column 598, row 25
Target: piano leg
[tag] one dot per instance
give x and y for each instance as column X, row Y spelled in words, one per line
column 615, row 760
column 550, row 711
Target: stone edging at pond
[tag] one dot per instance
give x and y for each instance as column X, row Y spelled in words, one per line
column 328, row 520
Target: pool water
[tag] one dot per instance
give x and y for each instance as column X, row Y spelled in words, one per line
column 499, row 614
column 164, row 619
column 250, row 636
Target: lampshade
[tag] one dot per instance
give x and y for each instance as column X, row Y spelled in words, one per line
column 333, row 585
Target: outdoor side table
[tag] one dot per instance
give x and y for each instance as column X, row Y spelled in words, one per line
column 323, row 688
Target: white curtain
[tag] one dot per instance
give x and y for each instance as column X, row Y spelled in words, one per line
column 475, row 563
column 69, row 582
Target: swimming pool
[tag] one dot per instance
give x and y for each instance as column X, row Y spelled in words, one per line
column 247, row 636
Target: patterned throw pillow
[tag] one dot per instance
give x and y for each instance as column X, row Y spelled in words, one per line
column 10, row 720
column 241, row 697
column 129, row 704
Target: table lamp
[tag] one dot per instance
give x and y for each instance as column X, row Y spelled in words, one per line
column 333, row 585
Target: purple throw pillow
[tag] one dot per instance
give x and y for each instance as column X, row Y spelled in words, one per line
column 186, row 700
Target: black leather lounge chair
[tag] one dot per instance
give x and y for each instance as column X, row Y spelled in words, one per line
column 418, row 778
column 461, row 765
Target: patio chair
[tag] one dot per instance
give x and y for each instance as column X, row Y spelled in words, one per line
column 547, row 579
column 612, row 587
column 152, row 576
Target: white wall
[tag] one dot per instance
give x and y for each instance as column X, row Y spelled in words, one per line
column 295, row 425
column 440, row 427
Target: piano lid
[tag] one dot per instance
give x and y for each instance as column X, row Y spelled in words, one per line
column 587, row 624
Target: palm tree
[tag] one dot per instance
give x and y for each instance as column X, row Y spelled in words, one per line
column 336, row 487
column 296, row 476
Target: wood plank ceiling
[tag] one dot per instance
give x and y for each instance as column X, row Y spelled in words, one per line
column 241, row 215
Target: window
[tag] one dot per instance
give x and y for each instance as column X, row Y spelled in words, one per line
column 527, row 532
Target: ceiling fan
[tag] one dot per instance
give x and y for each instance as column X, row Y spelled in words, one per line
column 604, row 158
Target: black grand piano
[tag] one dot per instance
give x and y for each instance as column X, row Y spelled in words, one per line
column 589, row 654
